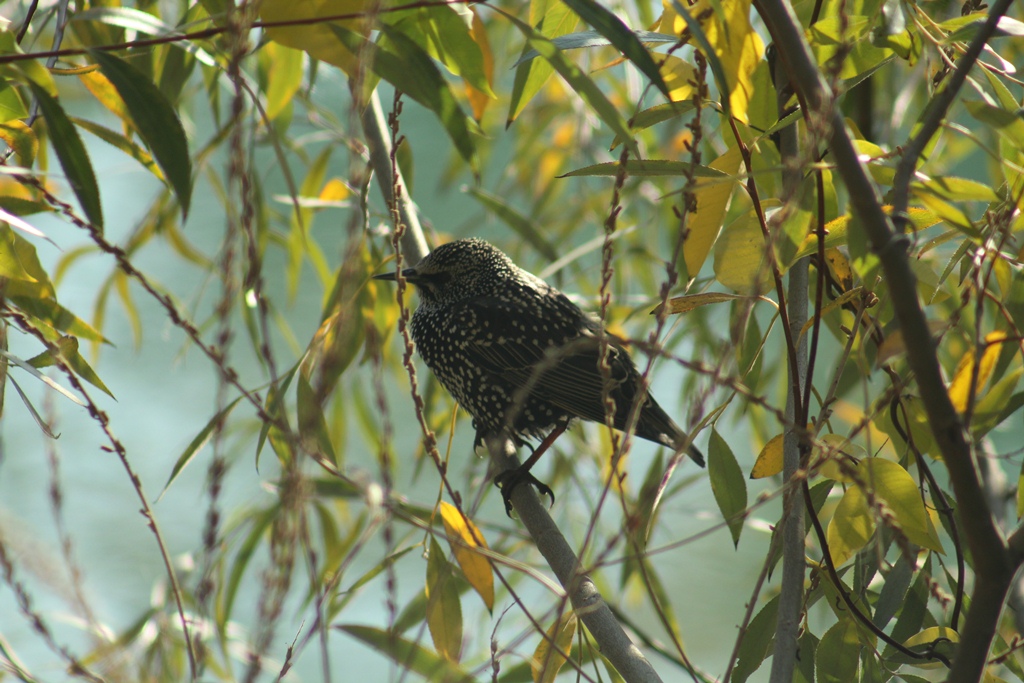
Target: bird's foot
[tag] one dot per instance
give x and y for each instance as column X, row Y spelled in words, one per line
column 508, row 480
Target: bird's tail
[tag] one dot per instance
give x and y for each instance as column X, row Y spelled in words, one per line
column 655, row 425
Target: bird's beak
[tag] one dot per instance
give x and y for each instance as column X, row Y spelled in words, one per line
column 409, row 274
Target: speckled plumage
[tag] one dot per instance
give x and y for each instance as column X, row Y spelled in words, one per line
column 494, row 334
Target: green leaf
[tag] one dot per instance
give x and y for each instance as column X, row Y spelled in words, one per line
column 838, row 653
column 625, row 41
column 311, row 423
column 756, row 641
column 851, row 527
column 651, row 168
column 155, row 120
column 552, row 18
column 893, row 484
column 59, row 318
column 408, row 654
column 11, row 106
column 1007, row 124
column 197, row 444
column 444, row 610
column 404, row 64
column 261, row 521
column 443, row 31
column 728, row 484
column 582, row 39
column 71, row 154
column 578, row 81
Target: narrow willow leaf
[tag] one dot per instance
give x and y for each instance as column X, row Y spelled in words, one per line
column 728, row 484
column 756, row 641
column 71, row 154
column 547, row 659
column 197, row 444
column 155, row 120
column 553, row 19
column 444, row 609
column 582, row 39
column 464, row 537
column 409, row 654
column 645, row 168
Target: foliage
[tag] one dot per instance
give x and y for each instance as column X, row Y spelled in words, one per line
column 643, row 159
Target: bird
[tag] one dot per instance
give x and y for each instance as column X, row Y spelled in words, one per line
column 522, row 358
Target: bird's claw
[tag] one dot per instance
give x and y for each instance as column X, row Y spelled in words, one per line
column 508, row 480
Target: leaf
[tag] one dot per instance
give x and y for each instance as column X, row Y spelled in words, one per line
column 652, row 168
column 727, row 484
column 283, row 67
column 578, row 81
column 756, row 641
column 197, row 444
column 961, row 386
column 838, row 653
column 712, row 200
column 851, row 527
column 22, row 139
column 317, row 38
column 584, row 39
column 618, row 34
column 312, row 425
column 722, row 31
column 444, row 611
column 49, row 312
column 404, row 64
column 688, row 302
column 71, row 154
column 939, row 639
column 409, row 654
column 464, row 537
column 552, row 18
column 1007, row 124
column 769, row 460
column 547, row 660
column 156, row 122
column 893, row 484
column 740, row 262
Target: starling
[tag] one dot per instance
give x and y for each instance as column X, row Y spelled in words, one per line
column 519, row 356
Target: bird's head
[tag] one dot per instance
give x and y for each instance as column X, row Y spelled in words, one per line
column 457, row 270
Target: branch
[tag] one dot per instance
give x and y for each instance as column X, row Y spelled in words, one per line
column 992, row 564
column 793, row 532
column 590, row 607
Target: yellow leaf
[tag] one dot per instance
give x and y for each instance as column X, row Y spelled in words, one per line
column 318, row 40
column 478, row 100
column 334, row 190
column 547, row 661
column 465, row 537
column 679, row 76
column 851, row 526
column 738, row 47
column 960, row 387
column 894, row 485
column 769, row 460
column 684, row 304
column 444, row 612
column 103, row 90
column 712, row 201
column 283, row 68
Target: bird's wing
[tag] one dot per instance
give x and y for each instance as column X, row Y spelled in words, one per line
column 561, row 367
